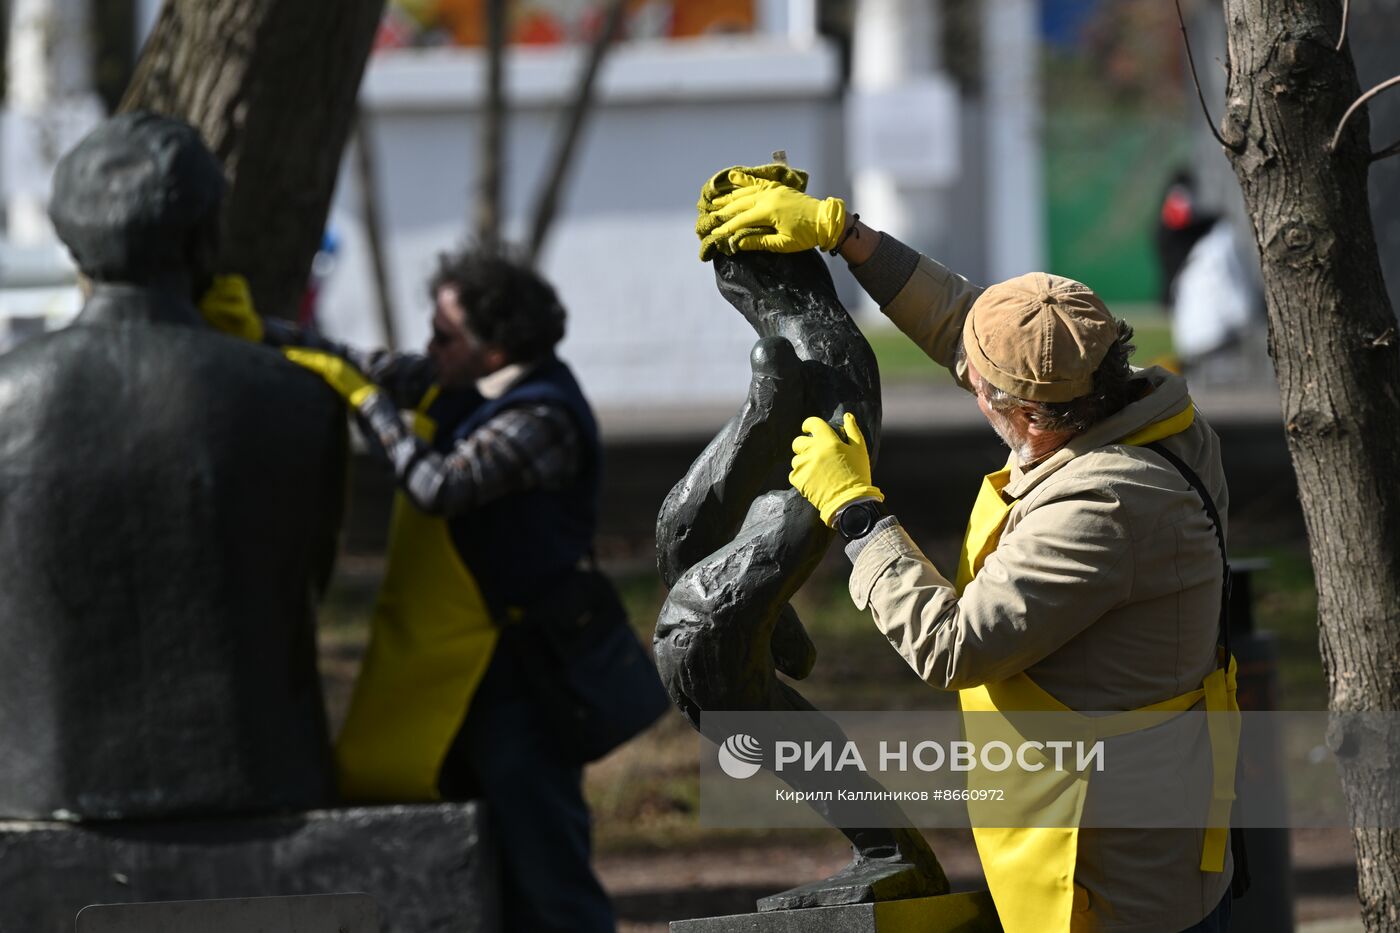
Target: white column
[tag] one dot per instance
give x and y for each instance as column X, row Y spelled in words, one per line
column 795, row 19
column 902, row 105
column 50, row 104
column 802, row 20
column 1014, row 145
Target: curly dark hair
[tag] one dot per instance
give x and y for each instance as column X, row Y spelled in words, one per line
column 506, row 302
column 1110, row 392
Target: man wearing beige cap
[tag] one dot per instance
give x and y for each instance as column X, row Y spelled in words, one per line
column 1091, row 575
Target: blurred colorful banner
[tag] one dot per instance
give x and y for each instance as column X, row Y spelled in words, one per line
column 422, row 23
column 1117, row 127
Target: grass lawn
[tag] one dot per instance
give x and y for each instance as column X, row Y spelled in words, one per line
column 1285, row 607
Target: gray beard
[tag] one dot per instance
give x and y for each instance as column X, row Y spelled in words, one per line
column 1019, row 446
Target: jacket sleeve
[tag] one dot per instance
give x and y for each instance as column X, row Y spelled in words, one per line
column 923, row 298
column 518, row 450
column 404, row 377
column 1064, row 565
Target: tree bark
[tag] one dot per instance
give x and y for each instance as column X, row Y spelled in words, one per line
column 272, row 87
column 1332, row 335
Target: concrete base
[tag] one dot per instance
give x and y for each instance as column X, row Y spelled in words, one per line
column 429, row 867
column 303, row 913
column 970, row 912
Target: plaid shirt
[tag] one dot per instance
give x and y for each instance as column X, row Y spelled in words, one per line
column 520, row 449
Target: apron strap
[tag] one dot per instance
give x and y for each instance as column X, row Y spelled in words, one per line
column 1224, row 732
column 1213, row 514
column 1213, row 857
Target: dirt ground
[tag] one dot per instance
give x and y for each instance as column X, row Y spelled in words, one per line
column 650, row 889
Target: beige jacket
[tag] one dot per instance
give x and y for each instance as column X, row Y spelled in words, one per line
column 1104, row 589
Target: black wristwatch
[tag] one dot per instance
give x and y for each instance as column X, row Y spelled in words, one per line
column 857, row 519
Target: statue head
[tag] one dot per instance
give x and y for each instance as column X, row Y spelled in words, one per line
column 137, row 200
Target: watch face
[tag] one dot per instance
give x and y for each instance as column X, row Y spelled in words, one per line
column 856, row 520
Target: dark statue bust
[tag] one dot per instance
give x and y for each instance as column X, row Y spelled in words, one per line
column 169, row 503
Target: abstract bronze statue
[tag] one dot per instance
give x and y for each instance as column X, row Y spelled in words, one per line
column 169, row 503
column 735, row 541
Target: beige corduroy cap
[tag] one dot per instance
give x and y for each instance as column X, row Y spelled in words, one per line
column 1039, row 336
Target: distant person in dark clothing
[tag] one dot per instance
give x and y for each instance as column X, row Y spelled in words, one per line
column 1211, row 297
column 1181, row 223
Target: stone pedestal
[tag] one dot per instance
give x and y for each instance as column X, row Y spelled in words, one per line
column 304, row 913
column 429, row 867
column 971, row 912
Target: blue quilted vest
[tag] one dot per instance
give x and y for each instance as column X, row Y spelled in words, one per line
column 518, row 545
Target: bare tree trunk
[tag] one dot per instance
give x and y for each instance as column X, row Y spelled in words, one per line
column 271, row 86
column 489, row 182
column 1332, row 335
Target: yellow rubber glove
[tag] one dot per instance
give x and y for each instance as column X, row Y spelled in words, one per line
column 830, row 471
column 763, row 208
column 228, row 307
column 770, row 217
column 339, row 374
column 743, row 176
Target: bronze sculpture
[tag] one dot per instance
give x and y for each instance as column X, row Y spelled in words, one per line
column 169, row 504
column 735, row 541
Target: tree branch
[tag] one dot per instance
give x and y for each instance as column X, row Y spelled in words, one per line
column 1337, row 136
column 1346, row 14
column 1191, row 59
column 578, row 111
column 489, row 207
column 374, row 228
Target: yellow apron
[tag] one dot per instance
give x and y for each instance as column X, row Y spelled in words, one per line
column 1030, row 870
column 431, row 638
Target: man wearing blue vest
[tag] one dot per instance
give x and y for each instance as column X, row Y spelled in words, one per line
column 497, row 503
